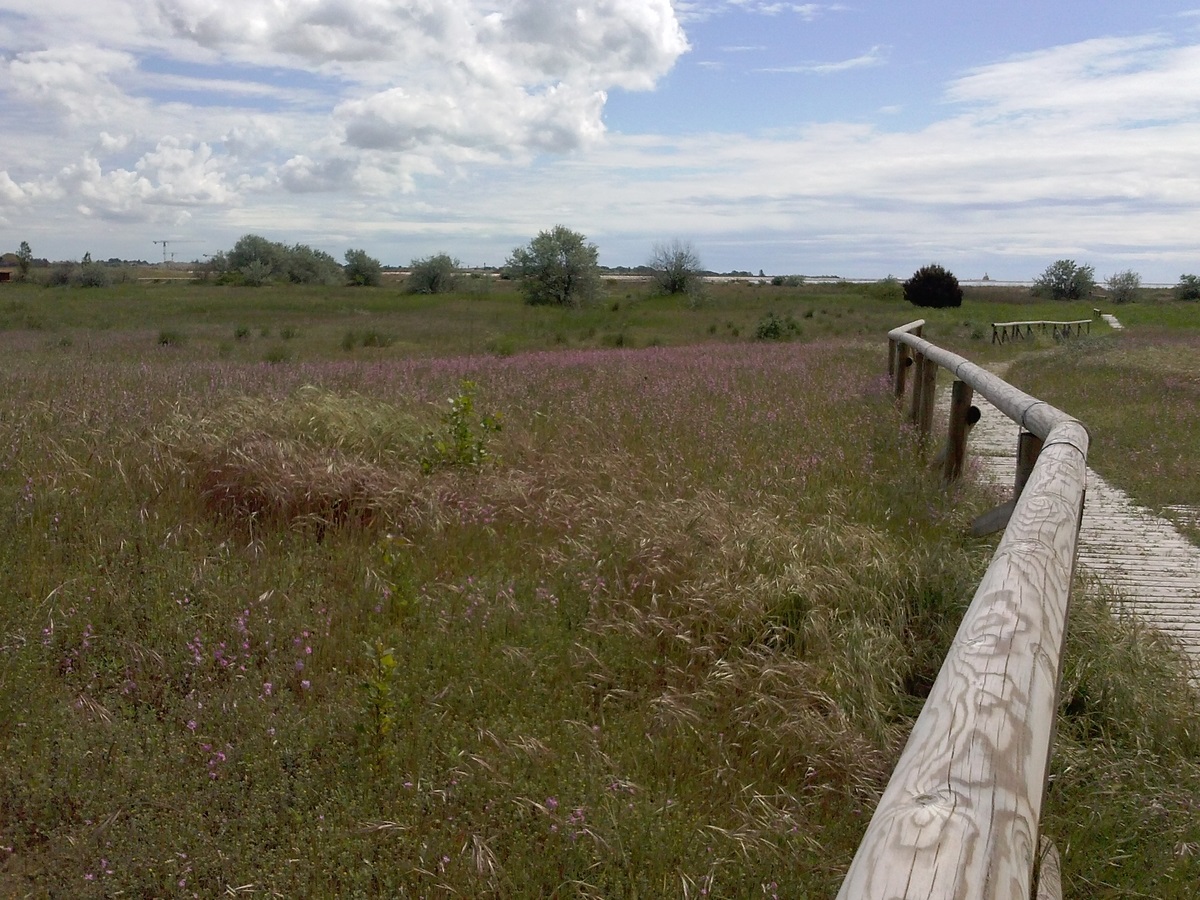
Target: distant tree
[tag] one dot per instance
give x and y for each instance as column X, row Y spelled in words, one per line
column 1123, row 287
column 90, row 274
column 433, row 274
column 791, row 281
column 1188, row 288
column 24, row 259
column 677, row 270
column 362, row 269
column 934, row 287
column 1063, row 280
column 558, row 267
column 304, row 265
column 251, row 247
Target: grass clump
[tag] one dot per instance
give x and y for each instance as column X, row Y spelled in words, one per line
column 1122, row 805
column 312, row 458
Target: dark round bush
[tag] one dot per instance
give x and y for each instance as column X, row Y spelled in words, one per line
column 934, row 287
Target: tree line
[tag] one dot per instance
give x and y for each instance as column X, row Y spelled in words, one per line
column 558, row 267
column 934, row 287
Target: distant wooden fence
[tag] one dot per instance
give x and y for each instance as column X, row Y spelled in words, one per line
column 1002, row 332
column 959, row 817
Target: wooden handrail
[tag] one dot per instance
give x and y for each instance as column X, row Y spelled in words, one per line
column 1005, row 331
column 1042, row 322
column 959, row 817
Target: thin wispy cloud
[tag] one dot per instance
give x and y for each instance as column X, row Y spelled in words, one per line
column 876, row 56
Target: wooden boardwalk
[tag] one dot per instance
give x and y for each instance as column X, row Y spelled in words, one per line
column 1151, row 569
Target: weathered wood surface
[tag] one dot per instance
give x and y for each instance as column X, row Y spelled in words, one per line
column 962, row 417
column 959, row 817
column 1049, row 886
column 1152, row 570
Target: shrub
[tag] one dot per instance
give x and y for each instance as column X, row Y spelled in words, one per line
column 1123, row 287
column 91, row 275
column 557, row 268
column 59, row 274
column 676, row 270
column 1064, row 280
column 787, row 280
column 933, row 287
column 888, row 289
column 255, row 273
column 462, row 439
column 363, row 270
column 433, row 274
column 304, row 265
column 1188, row 288
column 774, row 328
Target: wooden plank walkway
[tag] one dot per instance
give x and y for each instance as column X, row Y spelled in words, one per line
column 1152, row 570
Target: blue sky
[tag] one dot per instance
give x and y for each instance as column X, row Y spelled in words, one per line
column 854, row 138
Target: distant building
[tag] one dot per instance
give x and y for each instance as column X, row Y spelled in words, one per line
column 5, row 275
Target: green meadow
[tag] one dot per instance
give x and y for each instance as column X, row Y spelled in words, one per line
column 347, row 592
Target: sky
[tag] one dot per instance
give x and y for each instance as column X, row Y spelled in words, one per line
column 863, row 138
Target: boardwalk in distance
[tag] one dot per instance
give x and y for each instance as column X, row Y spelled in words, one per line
column 1152, row 570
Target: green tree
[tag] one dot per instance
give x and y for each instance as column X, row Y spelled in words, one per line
column 1064, row 280
column 558, row 267
column 433, row 274
column 677, row 270
column 934, row 287
column 304, row 265
column 251, row 247
column 362, row 269
column 24, row 259
column 1123, row 287
column 1188, row 288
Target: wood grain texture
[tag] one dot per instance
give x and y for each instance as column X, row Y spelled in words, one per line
column 1049, row 886
column 959, row 817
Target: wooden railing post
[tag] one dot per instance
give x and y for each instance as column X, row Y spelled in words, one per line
column 903, row 361
column 1029, row 446
column 891, row 358
column 962, row 416
column 918, row 379
column 928, row 391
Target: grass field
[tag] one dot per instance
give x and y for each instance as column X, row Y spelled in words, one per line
column 351, row 593
column 1140, row 397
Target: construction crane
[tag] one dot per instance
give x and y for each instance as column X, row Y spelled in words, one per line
column 166, row 241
